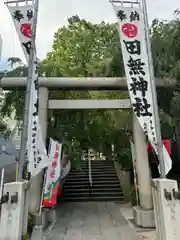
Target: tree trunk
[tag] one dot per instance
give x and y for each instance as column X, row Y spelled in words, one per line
column 108, row 152
column 98, row 156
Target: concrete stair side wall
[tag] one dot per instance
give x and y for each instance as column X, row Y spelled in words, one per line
column 124, row 177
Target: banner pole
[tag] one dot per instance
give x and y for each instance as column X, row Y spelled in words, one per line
column 154, row 93
column 2, row 183
column 24, row 135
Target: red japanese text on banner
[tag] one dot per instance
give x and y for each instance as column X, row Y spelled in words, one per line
column 53, row 173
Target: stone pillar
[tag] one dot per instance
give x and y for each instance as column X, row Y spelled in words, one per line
column 37, row 182
column 143, row 214
column 142, row 165
column 43, row 110
column 166, row 205
column 12, row 212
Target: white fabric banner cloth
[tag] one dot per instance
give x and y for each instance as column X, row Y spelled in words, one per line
column 136, row 64
column 54, row 166
column 23, row 19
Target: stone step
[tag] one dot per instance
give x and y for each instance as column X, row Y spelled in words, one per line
column 94, row 193
column 98, row 171
column 95, row 181
column 93, row 199
column 93, row 189
column 106, row 186
column 101, row 186
column 94, row 175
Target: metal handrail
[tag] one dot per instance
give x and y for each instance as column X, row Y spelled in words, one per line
column 89, row 166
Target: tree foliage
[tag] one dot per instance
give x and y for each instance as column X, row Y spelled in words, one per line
column 166, row 53
column 84, row 49
column 14, row 61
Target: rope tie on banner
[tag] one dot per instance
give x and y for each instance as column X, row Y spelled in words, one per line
column 16, row 2
column 122, row 3
column 111, row 3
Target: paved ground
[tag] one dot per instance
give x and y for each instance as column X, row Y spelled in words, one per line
column 91, row 221
column 144, row 233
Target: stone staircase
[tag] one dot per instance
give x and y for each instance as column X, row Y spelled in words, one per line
column 105, row 183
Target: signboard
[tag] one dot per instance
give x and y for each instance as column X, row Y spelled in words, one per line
column 23, row 19
column 136, row 64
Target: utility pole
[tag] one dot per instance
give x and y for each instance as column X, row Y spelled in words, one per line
column 154, row 93
column 24, row 135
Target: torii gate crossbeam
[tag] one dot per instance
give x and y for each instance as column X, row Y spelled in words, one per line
column 94, row 83
column 90, row 104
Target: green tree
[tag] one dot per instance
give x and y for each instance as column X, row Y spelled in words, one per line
column 14, row 61
column 84, row 49
column 166, row 52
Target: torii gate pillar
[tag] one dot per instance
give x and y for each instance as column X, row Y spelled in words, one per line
column 143, row 214
column 43, row 110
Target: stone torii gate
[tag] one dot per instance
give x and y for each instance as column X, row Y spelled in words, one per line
column 95, row 83
column 144, row 213
column 50, row 84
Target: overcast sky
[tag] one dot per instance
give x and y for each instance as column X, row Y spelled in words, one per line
column 53, row 14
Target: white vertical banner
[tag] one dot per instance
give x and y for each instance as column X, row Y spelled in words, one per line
column 23, row 19
column 136, row 64
column 54, row 169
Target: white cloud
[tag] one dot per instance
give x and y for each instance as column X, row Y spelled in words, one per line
column 53, row 14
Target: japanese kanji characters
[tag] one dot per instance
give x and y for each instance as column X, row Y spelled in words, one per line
column 36, row 108
column 133, row 32
column 141, row 107
column 139, row 85
column 18, row 15
column 133, row 47
column 25, row 17
column 133, row 16
column 136, row 66
column 22, row 16
column 37, row 158
column 121, row 15
column 145, row 128
column 37, row 155
column 29, row 14
column 27, row 46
